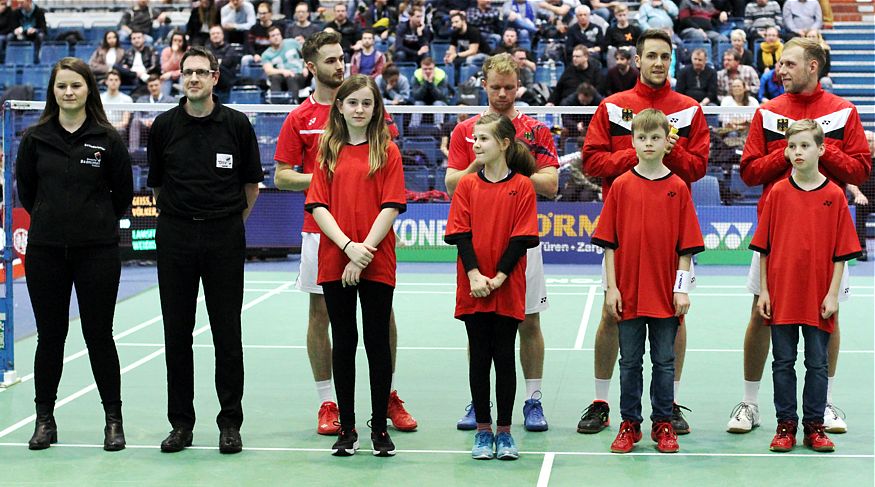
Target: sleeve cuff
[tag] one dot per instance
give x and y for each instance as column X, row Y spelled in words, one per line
column 761, row 250
column 454, row 238
column 401, row 207
column 691, row 250
column 309, row 207
column 846, row 257
column 604, row 244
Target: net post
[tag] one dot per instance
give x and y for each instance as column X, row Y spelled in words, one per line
column 7, row 330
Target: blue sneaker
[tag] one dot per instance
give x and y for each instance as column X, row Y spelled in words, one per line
column 533, row 412
column 505, row 448
column 484, row 444
column 468, row 421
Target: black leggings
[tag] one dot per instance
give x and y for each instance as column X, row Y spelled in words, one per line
column 491, row 339
column 51, row 274
column 376, row 299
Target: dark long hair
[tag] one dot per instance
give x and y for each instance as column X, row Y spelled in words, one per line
column 105, row 43
column 518, row 156
column 93, row 105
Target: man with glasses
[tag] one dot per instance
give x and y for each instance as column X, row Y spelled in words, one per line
column 204, row 170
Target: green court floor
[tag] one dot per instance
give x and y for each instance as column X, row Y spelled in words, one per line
column 282, row 448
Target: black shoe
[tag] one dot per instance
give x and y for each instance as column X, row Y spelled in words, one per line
column 347, row 443
column 113, row 433
column 383, row 446
column 595, row 418
column 45, row 432
column 229, row 440
column 678, row 422
column 176, row 441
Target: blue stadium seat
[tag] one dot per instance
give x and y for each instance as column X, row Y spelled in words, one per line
column 571, row 146
column 19, row 53
column 428, row 146
column 689, row 46
column 98, row 29
column 549, row 73
column 451, row 73
column 706, row 192
column 52, row 52
column 407, row 69
column 440, row 183
column 254, row 71
column 438, row 50
column 84, row 50
column 36, row 76
column 417, row 178
column 746, row 194
column 136, row 171
column 467, row 71
column 267, row 127
column 242, row 95
column 8, row 76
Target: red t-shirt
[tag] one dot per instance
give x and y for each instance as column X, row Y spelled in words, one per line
column 804, row 233
column 649, row 224
column 535, row 134
column 298, row 142
column 493, row 214
column 354, row 200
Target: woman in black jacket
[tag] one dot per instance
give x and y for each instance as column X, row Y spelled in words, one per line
column 73, row 174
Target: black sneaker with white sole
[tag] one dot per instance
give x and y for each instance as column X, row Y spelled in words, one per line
column 596, row 417
column 678, row 422
column 383, row 446
column 347, row 443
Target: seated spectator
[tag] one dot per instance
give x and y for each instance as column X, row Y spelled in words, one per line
column 770, row 50
column 258, row 39
column 557, row 12
column 171, row 57
column 227, row 57
column 800, row 15
column 698, row 80
column 29, row 24
column 585, row 95
column 732, row 69
column 582, row 69
column 527, row 93
column 737, row 124
column 466, row 44
column 383, row 18
column 521, row 15
column 623, row 75
column 430, row 87
column 238, row 16
column 155, row 95
column 413, row 38
column 120, row 119
column 368, row 60
column 142, row 18
column 487, row 20
column 138, row 62
column 825, row 80
column 301, row 28
column 739, row 45
column 508, row 42
column 350, row 34
column 656, row 14
column 283, row 64
column 621, row 35
column 142, row 121
column 771, row 85
column 106, row 55
column 760, row 15
column 442, row 15
column 394, row 86
column 202, row 17
column 699, row 20
column 584, row 33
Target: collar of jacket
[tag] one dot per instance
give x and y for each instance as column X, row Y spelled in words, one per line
column 53, row 133
column 217, row 115
column 806, row 99
column 652, row 93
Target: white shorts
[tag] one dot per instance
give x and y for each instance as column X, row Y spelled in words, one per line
column 536, row 284
column 753, row 279
column 692, row 275
column 309, row 268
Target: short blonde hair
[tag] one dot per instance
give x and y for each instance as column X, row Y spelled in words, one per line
column 502, row 63
column 806, row 125
column 650, row 119
column 738, row 33
column 812, row 50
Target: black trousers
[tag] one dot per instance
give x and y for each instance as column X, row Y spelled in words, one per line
column 491, row 339
column 51, row 274
column 376, row 299
column 211, row 252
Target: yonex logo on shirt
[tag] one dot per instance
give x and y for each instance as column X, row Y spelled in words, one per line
column 672, row 194
column 312, row 121
column 512, row 192
column 827, row 203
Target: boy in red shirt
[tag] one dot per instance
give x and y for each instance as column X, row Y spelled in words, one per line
column 648, row 228
column 804, row 237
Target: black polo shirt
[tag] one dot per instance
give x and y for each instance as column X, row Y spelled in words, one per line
column 202, row 164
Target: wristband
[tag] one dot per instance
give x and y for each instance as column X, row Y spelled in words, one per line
column 345, row 245
column 682, row 282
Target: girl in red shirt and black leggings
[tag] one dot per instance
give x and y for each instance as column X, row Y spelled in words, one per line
column 356, row 193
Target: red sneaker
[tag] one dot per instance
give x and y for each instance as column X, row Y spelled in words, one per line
column 815, row 438
column 329, row 419
column 785, row 437
column 630, row 433
column 401, row 419
column 665, row 437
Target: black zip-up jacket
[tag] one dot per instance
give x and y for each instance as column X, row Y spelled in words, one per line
column 75, row 186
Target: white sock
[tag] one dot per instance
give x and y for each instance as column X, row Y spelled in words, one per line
column 829, row 381
column 532, row 386
column 677, row 387
column 751, row 391
column 602, row 389
column 325, row 391
column 392, row 384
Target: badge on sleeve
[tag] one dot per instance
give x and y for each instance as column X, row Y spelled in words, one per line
column 224, row 161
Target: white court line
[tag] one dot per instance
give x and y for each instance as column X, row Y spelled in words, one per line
column 744, row 295
column 134, row 365
column 587, row 283
column 584, row 318
column 546, row 468
column 468, row 452
column 451, row 349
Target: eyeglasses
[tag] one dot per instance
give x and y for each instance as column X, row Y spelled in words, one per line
column 200, row 73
